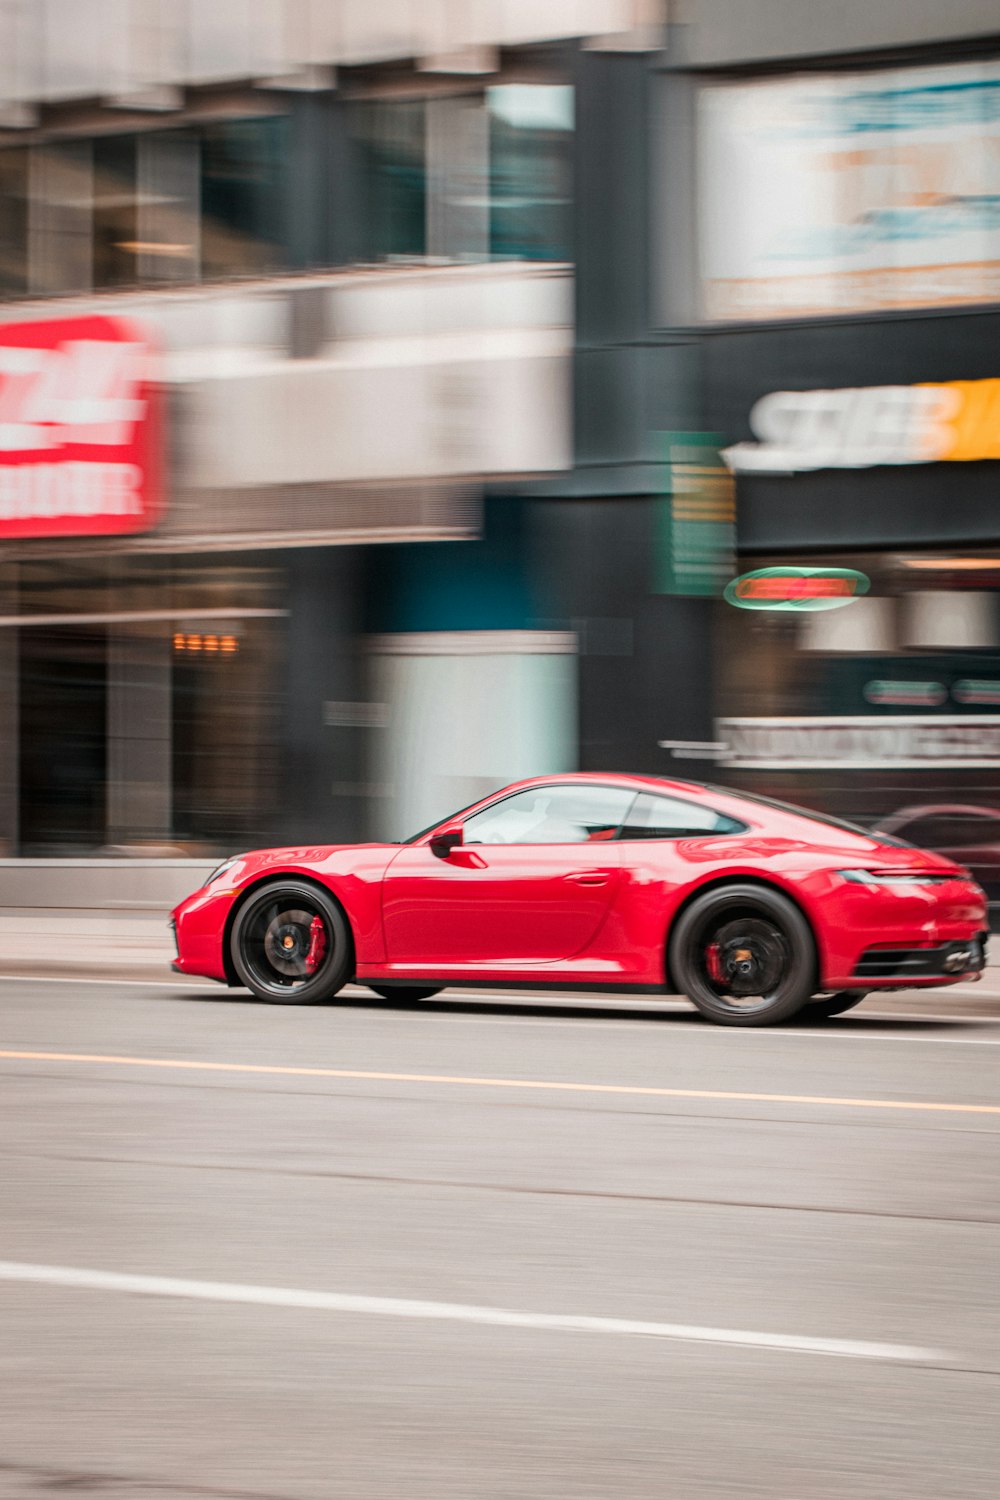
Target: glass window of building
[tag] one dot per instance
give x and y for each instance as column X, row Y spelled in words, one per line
column 115, row 224
column 13, row 222
column 60, row 217
column 469, row 177
column 391, row 136
column 244, row 208
column 159, row 206
column 531, row 134
column 140, row 704
column 169, row 231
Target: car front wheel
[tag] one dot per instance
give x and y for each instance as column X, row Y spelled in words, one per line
column 744, row 955
column 291, row 945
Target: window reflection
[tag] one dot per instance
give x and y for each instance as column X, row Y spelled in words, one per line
column 531, row 131
column 243, row 203
column 483, row 174
column 13, row 222
column 551, row 815
column 391, row 138
column 118, row 737
column 116, row 210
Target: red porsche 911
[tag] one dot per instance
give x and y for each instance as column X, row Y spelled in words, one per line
column 751, row 908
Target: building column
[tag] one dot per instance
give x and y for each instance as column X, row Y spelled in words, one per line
column 323, row 728
column 139, row 800
column 9, row 741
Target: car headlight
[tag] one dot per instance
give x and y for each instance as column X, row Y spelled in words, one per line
column 895, row 877
column 227, row 864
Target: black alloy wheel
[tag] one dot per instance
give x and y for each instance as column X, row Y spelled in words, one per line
column 822, row 1006
column 291, row 945
column 744, row 955
column 405, row 994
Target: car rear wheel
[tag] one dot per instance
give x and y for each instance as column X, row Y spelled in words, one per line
column 744, row 955
column 405, row 994
column 291, row 945
column 834, row 1005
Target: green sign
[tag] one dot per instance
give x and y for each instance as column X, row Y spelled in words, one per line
column 696, row 540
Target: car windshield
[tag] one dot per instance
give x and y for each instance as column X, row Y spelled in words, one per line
column 448, row 818
column 888, row 839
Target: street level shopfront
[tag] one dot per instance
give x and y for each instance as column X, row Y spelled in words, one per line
column 885, row 463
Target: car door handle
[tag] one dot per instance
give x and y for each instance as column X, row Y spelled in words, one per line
column 589, row 877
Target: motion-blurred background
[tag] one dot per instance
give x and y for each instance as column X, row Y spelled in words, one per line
column 454, row 356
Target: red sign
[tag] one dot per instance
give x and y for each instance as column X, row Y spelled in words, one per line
column 79, row 429
column 787, row 587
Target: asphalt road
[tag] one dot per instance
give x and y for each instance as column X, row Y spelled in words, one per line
column 485, row 1250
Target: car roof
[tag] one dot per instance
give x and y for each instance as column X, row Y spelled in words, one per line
column 639, row 780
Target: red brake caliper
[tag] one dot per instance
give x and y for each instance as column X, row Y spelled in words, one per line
column 713, row 963
column 317, row 945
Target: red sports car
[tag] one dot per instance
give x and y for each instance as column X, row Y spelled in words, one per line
column 750, row 908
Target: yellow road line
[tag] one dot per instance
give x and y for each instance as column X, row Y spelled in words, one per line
column 458, row 1080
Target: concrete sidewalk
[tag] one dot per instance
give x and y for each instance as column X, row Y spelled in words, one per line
column 83, row 944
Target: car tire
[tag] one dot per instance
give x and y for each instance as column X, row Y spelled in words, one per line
column 405, row 994
column 291, row 945
column 744, row 955
column 834, row 1005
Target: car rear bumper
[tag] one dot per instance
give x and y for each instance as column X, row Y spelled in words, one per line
column 944, row 962
column 892, row 936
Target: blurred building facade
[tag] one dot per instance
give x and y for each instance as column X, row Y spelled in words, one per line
column 457, row 306
column 346, row 229
column 847, row 181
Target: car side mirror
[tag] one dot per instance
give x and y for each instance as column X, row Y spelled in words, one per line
column 446, row 839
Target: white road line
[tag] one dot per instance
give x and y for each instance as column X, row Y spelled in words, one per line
column 455, row 1312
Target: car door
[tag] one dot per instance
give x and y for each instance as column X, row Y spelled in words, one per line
column 530, row 884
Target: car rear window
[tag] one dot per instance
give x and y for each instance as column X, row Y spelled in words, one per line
column 655, row 817
column 888, row 839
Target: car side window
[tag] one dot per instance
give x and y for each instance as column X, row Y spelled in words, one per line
column 551, row 815
column 655, row 817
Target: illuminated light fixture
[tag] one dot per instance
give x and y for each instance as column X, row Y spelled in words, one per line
column 952, row 564
column 976, row 690
column 154, row 247
column 906, row 694
column 796, row 588
column 210, row 645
